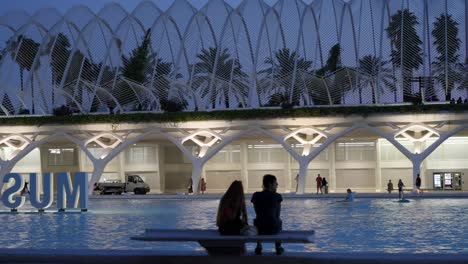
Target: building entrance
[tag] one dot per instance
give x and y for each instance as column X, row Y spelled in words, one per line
column 447, row 180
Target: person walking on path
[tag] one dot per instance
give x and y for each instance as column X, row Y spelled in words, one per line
column 325, row 185
column 267, row 205
column 389, row 186
column 319, row 184
column 418, row 184
column 400, row 189
column 203, row 186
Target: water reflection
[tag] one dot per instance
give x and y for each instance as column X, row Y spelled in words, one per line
column 367, row 225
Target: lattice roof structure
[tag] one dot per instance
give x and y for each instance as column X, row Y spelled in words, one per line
column 326, row 52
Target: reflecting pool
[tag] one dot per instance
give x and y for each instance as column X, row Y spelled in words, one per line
column 367, row 225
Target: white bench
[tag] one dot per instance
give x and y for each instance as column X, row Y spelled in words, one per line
column 217, row 244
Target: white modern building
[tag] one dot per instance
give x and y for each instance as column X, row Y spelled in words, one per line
column 358, row 152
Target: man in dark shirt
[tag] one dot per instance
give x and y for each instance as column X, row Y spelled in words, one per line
column 267, row 204
column 418, row 184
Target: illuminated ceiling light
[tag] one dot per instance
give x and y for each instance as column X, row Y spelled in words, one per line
column 416, row 133
column 306, row 136
column 107, row 141
column 204, row 138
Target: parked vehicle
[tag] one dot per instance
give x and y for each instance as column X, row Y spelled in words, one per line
column 133, row 183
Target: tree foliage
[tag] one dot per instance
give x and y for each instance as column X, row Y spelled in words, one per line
column 406, row 51
column 23, row 51
column 447, row 44
column 281, row 70
column 135, row 66
column 376, row 75
column 219, row 74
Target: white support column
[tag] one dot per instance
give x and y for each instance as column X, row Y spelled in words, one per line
column 287, row 174
column 97, row 172
column 203, row 175
column 121, row 165
column 416, row 160
column 303, row 166
column 378, row 169
column 423, row 170
column 332, row 167
column 244, row 165
column 21, row 151
column 197, row 168
column 81, row 160
column 161, row 168
column 114, row 148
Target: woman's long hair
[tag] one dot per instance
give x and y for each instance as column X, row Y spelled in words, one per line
column 234, row 199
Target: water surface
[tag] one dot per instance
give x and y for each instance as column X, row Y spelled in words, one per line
column 367, row 225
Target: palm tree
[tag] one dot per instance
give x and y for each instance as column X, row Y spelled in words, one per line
column 281, row 71
column 336, row 79
column 59, row 50
column 374, row 70
column 161, row 82
column 447, row 43
column 24, row 50
column 135, row 69
column 406, row 51
column 80, row 67
column 219, row 73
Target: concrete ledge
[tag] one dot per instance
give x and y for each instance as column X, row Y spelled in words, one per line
column 359, row 195
column 136, row 256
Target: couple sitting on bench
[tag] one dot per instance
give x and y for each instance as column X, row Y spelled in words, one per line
column 232, row 214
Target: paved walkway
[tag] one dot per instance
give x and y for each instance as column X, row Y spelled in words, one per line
column 136, row 256
column 30, row 256
column 394, row 195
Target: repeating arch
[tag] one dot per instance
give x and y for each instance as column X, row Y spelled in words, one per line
column 341, row 52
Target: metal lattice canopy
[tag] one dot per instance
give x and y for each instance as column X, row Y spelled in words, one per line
column 292, row 53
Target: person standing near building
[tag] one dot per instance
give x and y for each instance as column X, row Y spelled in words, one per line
column 418, row 184
column 267, row 205
column 325, row 185
column 389, row 186
column 319, row 184
column 190, row 186
column 203, row 186
column 297, row 181
column 25, row 189
column 400, row 189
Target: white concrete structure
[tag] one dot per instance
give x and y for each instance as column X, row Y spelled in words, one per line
column 233, row 54
column 350, row 151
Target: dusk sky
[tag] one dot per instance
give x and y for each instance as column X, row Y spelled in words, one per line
column 62, row 5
